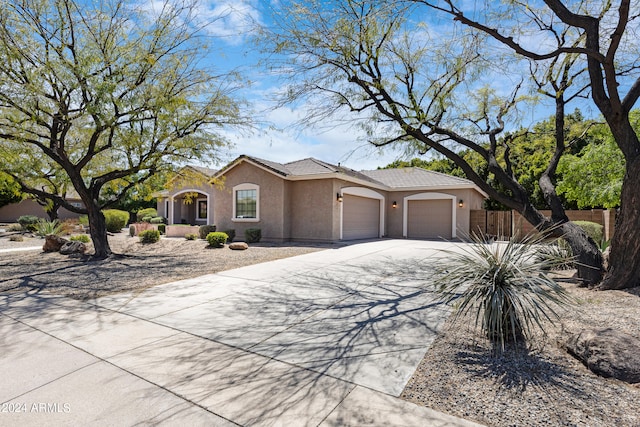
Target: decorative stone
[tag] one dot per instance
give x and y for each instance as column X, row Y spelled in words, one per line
column 53, row 243
column 238, row 246
column 73, row 248
column 608, row 353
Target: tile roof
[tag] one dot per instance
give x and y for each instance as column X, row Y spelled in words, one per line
column 393, row 178
column 205, row 171
column 415, row 177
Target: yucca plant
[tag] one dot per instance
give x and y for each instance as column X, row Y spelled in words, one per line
column 43, row 227
column 504, row 284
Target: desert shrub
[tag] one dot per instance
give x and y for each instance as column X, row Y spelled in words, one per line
column 147, row 218
column 147, row 212
column 593, row 230
column 132, row 230
column 191, row 236
column 83, row 220
column 80, row 238
column 116, row 219
column 43, row 227
column 231, row 233
column 28, row 222
column 252, row 235
column 149, row 236
column 217, row 239
column 204, row 231
column 157, row 220
column 14, row 227
column 70, row 225
column 503, row 285
column 162, row 228
column 16, row 238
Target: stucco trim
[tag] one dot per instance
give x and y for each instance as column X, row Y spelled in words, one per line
column 368, row 193
column 429, row 196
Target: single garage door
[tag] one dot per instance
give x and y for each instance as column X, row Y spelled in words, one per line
column 429, row 219
column 360, row 218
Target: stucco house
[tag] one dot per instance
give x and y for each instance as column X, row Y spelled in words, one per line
column 11, row 213
column 311, row 200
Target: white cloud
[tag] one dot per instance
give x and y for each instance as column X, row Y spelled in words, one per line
column 231, row 19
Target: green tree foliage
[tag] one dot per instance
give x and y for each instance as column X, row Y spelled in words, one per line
column 593, row 178
column 109, row 92
column 9, row 190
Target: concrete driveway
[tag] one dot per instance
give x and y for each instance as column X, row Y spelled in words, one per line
column 328, row 338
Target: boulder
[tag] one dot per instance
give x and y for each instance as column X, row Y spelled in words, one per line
column 607, row 352
column 53, row 243
column 73, row 248
column 238, row 246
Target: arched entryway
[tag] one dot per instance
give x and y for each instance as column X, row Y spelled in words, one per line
column 190, row 206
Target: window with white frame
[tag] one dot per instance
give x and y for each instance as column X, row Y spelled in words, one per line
column 201, row 209
column 246, row 202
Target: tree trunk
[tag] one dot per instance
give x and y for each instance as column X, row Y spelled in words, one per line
column 588, row 256
column 98, row 231
column 624, row 261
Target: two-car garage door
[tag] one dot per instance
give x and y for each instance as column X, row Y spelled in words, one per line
column 360, row 218
column 425, row 217
column 429, row 219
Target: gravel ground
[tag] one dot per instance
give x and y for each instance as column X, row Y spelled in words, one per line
column 541, row 386
column 136, row 266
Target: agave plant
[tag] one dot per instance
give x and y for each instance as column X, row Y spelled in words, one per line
column 43, row 227
column 505, row 284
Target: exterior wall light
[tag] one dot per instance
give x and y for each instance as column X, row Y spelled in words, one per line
column 339, row 197
column 461, row 203
column 394, row 204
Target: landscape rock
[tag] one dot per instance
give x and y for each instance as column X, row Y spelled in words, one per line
column 607, row 352
column 73, row 248
column 53, row 243
column 238, row 246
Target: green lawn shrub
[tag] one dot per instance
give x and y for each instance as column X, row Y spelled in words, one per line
column 162, row 228
column 157, row 220
column 28, row 222
column 252, row 235
column 204, row 231
column 149, row 236
column 217, row 239
column 116, row 219
column 593, row 230
column 144, row 213
column 191, row 236
column 80, row 238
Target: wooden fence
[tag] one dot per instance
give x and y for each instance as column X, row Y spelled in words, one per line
column 508, row 223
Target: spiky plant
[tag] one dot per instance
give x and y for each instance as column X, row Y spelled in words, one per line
column 504, row 284
column 43, row 227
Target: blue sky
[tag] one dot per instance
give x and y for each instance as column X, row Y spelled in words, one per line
column 275, row 138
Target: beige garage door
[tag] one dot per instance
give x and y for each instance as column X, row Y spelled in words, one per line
column 360, row 218
column 429, row 219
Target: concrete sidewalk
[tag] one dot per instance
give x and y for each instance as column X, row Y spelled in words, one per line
column 328, row 338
